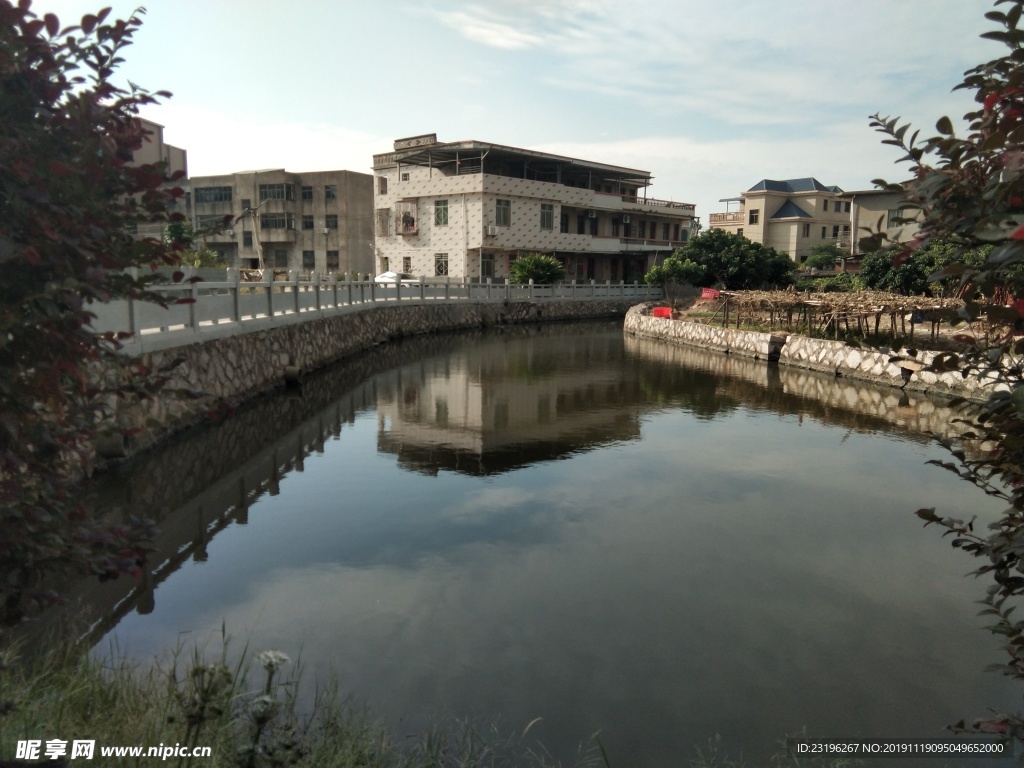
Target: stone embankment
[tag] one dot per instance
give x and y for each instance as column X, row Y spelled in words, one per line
column 237, row 368
column 903, row 369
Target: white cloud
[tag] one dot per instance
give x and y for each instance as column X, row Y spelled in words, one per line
column 481, row 26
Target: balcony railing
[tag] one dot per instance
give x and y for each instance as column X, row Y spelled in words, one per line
column 727, row 218
column 651, row 201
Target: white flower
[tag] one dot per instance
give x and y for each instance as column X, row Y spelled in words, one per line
column 272, row 660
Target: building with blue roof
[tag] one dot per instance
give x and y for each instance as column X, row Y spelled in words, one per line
column 790, row 215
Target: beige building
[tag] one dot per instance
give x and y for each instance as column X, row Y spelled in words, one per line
column 469, row 208
column 790, row 215
column 317, row 222
column 155, row 150
column 878, row 210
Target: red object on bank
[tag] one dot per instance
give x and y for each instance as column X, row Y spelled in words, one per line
column 661, row 312
column 709, row 293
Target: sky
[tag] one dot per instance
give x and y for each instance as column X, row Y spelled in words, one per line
column 710, row 97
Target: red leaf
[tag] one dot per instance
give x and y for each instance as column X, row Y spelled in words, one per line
column 1018, row 234
column 89, row 23
column 52, row 24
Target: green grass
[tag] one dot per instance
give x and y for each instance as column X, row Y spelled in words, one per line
column 246, row 712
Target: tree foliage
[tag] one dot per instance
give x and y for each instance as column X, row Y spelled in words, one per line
column 824, row 256
column 970, row 192
column 542, row 269
column 919, row 272
column 69, row 194
column 717, row 257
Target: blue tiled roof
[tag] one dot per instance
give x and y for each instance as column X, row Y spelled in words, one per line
column 809, row 184
column 791, row 210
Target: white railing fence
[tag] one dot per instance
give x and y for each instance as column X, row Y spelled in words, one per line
column 230, row 307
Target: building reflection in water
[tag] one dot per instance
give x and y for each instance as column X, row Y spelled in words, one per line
column 476, row 403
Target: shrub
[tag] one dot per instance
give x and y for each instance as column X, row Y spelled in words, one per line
column 542, row 269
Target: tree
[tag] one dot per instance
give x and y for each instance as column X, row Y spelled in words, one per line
column 825, row 256
column 970, row 192
column 919, row 272
column 68, row 196
column 717, row 257
column 542, row 269
column 181, row 235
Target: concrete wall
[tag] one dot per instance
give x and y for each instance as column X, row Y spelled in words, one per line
column 228, row 370
column 834, row 357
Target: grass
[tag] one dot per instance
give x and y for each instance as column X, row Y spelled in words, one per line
column 246, row 712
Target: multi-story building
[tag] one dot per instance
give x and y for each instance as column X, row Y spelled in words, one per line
column 879, row 210
column 318, row 222
column 467, row 209
column 790, row 216
column 155, row 150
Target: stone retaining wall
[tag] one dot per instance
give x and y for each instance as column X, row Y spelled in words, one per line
column 901, row 369
column 240, row 367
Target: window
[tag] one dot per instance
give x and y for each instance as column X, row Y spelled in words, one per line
column 835, row 231
column 332, row 260
column 593, row 226
column 547, row 216
column 407, row 264
column 846, row 207
column 824, row 205
column 331, row 221
column 385, row 264
column 281, row 258
column 685, row 234
column 441, row 216
column 581, row 225
column 277, row 221
column 823, row 233
column 383, row 222
column 846, row 228
column 894, row 218
column 487, row 265
column 807, row 230
column 246, row 204
column 307, row 222
column 207, row 221
column 838, row 206
column 307, row 193
column 755, row 214
column 675, row 231
column 664, row 231
column 615, row 227
column 277, row 192
column 642, row 227
column 441, row 263
column 740, row 231
column 213, row 195
column 382, row 185
column 331, row 192
column 503, row 213
column 563, row 222
column 308, row 260
column 247, row 239
column 405, row 177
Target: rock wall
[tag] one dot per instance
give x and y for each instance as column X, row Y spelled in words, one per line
column 903, row 368
column 203, row 377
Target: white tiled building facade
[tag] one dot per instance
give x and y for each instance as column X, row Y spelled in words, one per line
column 469, row 208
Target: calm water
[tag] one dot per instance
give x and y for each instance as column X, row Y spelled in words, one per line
column 656, row 543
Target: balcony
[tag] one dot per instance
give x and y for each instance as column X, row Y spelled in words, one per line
column 727, row 218
column 650, row 202
column 405, row 219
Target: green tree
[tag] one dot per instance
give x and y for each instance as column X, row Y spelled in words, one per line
column 542, row 269
column 68, row 197
column 717, row 257
column 181, row 236
column 970, row 192
column 825, row 256
column 920, row 271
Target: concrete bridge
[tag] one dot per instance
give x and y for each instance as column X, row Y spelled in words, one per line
column 229, row 307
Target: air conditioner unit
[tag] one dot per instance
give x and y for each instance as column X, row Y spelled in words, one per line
column 325, row 230
column 625, row 219
column 490, row 230
column 591, row 214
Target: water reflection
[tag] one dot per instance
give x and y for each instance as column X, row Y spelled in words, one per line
column 688, row 543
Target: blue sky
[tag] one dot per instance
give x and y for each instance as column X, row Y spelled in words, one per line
column 710, row 97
